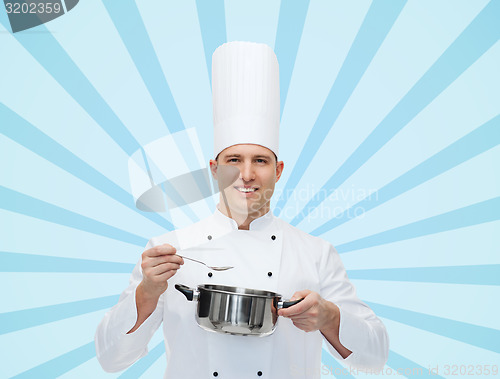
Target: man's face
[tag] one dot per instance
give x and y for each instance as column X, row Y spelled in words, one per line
column 246, row 175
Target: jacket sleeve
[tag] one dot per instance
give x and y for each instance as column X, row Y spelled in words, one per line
column 361, row 331
column 115, row 349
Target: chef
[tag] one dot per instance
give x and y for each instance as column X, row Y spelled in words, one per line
column 266, row 253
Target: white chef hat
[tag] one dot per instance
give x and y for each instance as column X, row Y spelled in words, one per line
column 246, row 96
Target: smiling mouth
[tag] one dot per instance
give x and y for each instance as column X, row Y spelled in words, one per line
column 246, row 189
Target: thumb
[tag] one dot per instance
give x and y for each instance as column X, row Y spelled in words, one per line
column 300, row 294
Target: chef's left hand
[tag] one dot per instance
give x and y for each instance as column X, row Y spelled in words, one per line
column 312, row 313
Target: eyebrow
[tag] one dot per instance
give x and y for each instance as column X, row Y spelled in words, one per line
column 262, row 156
column 239, row 156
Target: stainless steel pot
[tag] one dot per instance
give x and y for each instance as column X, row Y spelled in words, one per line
column 235, row 310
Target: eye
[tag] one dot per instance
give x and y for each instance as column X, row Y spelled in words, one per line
column 233, row 160
column 260, row 160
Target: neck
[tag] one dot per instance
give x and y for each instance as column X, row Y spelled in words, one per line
column 242, row 220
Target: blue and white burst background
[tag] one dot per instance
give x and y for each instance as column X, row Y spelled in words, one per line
column 390, row 135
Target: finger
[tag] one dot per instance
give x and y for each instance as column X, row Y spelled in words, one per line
column 305, row 324
column 300, row 324
column 298, row 308
column 163, row 268
column 167, row 267
column 150, row 263
column 182, row 259
column 162, row 278
column 305, row 327
column 303, row 316
column 167, row 275
column 156, row 261
column 159, row 250
column 294, row 310
column 300, row 294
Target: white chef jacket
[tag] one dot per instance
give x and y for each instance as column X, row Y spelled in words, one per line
column 272, row 255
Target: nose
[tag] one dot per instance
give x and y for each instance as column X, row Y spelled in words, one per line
column 247, row 172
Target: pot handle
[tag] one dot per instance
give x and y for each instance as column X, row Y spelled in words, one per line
column 190, row 293
column 286, row 304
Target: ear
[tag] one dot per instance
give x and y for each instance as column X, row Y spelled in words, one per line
column 279, row 170
column 213, row 168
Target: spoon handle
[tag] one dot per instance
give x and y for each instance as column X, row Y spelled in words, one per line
column 191, row 259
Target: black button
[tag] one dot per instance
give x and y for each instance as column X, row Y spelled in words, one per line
column 259, row 373
column 273, row 238
column 216, row 373
column 269, row 274
column 209, row 237
column 210, row 274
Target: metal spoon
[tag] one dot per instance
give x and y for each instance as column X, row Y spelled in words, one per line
column 215, row 268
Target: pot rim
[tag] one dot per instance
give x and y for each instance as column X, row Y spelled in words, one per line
column 240, row 291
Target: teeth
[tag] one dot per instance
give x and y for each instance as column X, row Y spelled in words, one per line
column 246, row 189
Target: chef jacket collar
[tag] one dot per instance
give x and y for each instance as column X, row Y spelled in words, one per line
column 261, row 223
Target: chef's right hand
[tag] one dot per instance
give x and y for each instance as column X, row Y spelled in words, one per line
column 158, row 265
